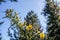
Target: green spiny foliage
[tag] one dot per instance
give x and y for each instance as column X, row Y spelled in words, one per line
column 32, row 18
column 29, row 30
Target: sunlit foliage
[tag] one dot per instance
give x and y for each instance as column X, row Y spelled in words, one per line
column 30, row 31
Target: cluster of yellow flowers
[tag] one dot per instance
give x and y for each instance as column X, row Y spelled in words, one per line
column 29, row 27
column 42, row 35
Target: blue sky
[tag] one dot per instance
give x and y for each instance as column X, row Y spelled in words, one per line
column 22, row 7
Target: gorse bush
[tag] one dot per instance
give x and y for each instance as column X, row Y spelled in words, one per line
column 26, row 31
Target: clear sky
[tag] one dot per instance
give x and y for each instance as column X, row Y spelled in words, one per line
column 22, row 7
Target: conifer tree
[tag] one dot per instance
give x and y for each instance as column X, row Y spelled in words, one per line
column 51, row 11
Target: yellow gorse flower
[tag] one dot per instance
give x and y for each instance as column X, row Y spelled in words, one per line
column 42, row 35
column 29, row 27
